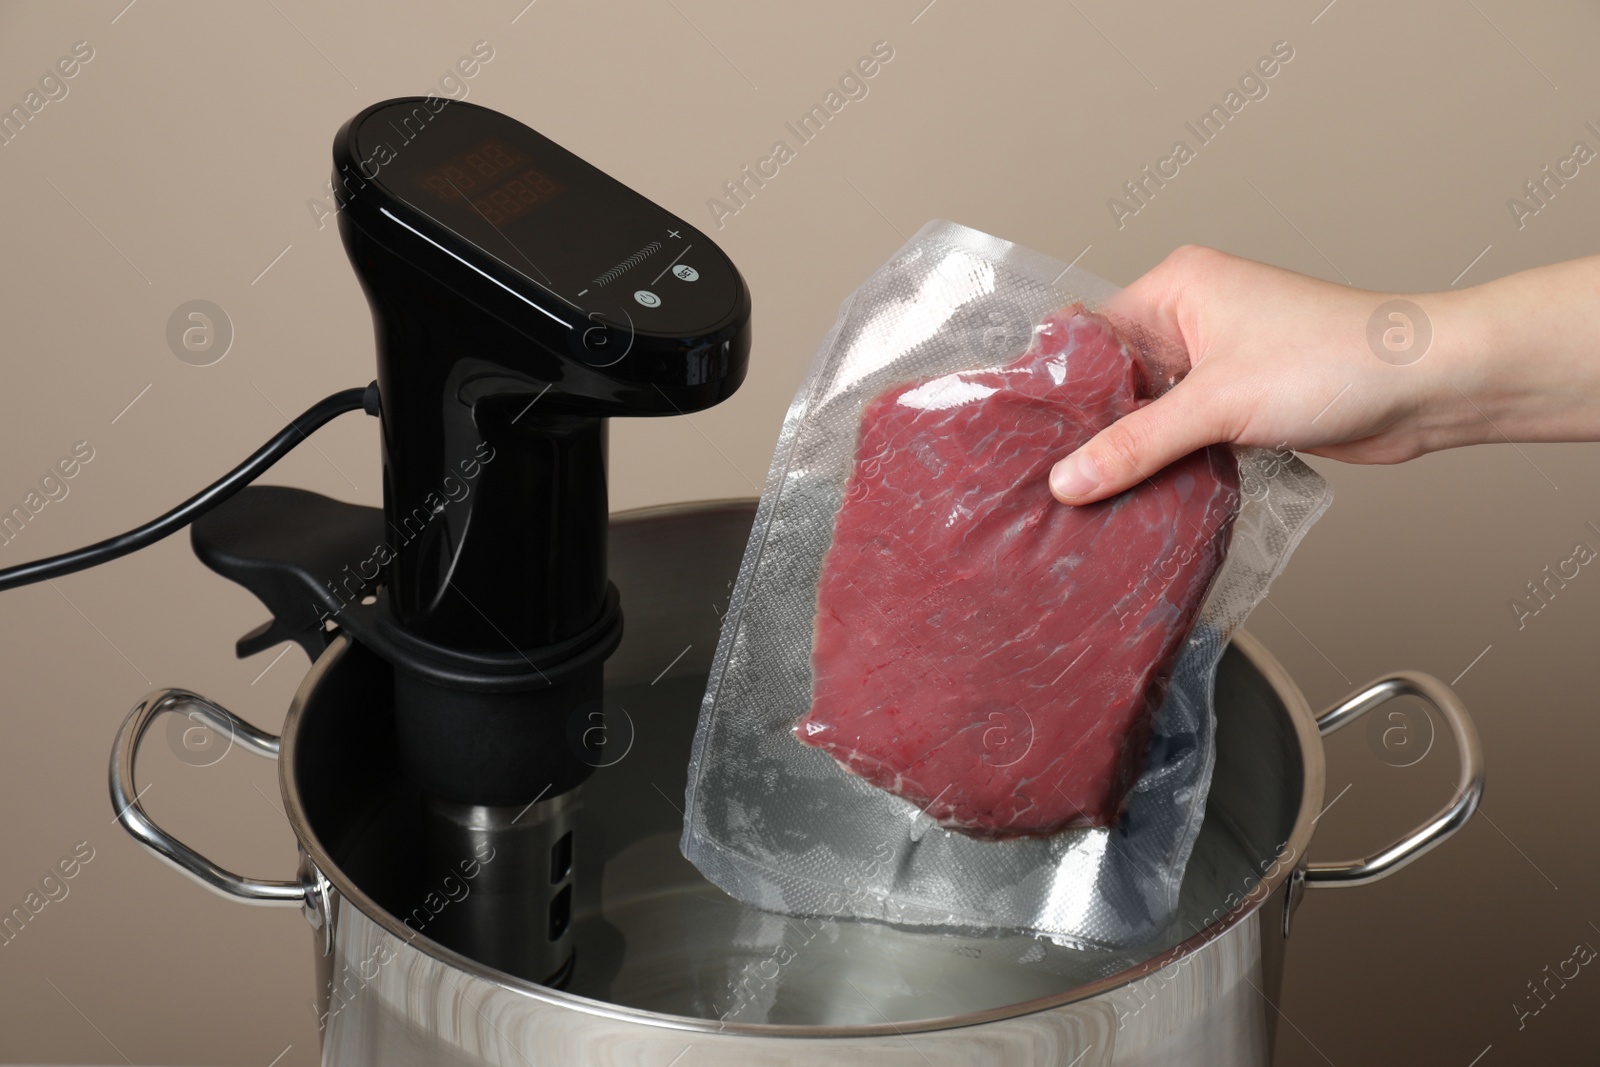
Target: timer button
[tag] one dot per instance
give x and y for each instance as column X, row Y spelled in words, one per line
column 685, row 273
column 647, row 298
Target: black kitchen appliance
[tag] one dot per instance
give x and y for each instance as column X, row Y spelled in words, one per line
column 521, row 297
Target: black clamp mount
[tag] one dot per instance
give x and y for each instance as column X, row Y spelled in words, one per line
column 512, row 725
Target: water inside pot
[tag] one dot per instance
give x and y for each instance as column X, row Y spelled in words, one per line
column 651, row 933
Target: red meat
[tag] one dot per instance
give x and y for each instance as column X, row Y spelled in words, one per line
column 987, row 653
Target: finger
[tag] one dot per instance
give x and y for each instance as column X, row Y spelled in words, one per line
column 1148, row 304
column 1136, row 446
column 1146, row 313
column 1152, row 299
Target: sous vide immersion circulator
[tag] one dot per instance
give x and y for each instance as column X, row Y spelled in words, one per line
column 521, row 297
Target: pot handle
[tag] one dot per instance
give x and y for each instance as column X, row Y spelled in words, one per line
column 1452, row 817
column 125, row 796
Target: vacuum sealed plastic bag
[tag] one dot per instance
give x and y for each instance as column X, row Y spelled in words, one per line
column 941, row 697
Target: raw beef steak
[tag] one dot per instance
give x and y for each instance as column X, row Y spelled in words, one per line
column 989, row 654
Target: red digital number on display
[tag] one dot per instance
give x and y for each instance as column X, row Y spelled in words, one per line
column 516, row 196
column 472, row 171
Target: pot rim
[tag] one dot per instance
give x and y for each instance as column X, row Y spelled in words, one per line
column 1288, row 862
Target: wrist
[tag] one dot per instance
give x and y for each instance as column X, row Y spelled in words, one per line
column 1517, row 358
column 1462, row 399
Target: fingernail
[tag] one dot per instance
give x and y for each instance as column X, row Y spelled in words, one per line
column 1074, row 476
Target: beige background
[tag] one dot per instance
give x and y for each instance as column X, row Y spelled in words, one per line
column 180, row 165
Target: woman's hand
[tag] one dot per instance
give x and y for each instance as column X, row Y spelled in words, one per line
column 1279, row 359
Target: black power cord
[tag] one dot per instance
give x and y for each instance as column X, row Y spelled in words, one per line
column 315, row 417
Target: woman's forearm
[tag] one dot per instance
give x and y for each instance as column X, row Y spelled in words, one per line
column 1520, row 359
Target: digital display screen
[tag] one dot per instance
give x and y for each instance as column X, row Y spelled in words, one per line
column 494, row 178
column 568, row 238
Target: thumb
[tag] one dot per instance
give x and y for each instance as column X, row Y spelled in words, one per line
column 1135, row 447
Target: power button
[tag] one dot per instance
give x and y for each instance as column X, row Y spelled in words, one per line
column 647, row 298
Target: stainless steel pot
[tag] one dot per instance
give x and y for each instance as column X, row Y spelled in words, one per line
column 670, row 971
